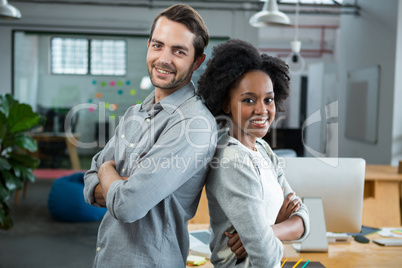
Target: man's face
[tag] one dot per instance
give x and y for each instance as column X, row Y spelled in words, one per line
column 170, row 58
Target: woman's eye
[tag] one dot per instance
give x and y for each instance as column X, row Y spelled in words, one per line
column 247, row 101
column 269, row 100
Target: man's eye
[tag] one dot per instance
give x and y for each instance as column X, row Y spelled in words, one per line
column 156, row 45
column 180, row 52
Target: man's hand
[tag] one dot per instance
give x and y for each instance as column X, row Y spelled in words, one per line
column 236, row 245
column 288, row 208
column 107, row 174
column 99, row 196
column 105, row 167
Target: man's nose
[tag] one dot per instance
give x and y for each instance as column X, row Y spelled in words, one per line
column 166, row 56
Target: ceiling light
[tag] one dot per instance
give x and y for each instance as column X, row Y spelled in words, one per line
column 8, row 11
column 269, row 16
column 295, row 61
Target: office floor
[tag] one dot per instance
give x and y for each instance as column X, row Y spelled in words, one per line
column 36, row 240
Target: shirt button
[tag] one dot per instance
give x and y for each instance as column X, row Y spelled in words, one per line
column 131, row 144
column 98, row 249
column 148, row 119
column 122, row 170
column 122, row 136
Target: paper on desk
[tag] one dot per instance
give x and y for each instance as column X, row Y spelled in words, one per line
column 391, row 232
column 199, row 247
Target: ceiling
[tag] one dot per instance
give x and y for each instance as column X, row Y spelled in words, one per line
column 324, row 7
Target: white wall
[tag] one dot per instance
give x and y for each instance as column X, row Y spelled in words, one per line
column 368, row 40
column 26, row 68
column 5, row 62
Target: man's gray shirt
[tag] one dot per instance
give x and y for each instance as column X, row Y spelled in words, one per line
column 164, row 149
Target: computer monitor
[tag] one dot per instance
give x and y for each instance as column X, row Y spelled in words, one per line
column 339, row 183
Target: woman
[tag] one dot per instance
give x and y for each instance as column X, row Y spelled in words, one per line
column 246, row 188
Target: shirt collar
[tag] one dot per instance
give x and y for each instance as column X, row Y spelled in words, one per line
column 171, row 102
column 226, row 139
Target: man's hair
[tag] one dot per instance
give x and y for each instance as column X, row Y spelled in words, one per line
column 229, row 62
column 186, row 15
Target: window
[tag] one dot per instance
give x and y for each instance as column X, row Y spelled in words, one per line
column 88, row 56
column 69, row 56
column 108, row 57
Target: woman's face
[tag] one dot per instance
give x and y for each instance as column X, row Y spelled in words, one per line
column 251, row 107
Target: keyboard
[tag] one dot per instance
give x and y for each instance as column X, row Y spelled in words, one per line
column 339, row 237
column 389, row 242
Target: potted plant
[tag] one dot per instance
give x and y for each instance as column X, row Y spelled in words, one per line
column 16, row 160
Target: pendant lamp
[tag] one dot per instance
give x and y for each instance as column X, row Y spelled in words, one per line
column 8, row 11
column 295, row 61
column 269, row 16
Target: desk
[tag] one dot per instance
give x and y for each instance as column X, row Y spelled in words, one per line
column 382, row 196
column 199, row 226
column 352, row 255
column 52, row 137
column 342, row 255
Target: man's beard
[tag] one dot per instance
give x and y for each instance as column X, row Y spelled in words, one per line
column 176, row 82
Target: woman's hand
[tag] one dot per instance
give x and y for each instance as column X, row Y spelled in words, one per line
column 236, row 245
column 288, row 207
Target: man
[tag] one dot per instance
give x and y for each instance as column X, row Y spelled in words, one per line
column 151, row 173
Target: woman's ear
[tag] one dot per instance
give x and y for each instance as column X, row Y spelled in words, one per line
column 225, row 107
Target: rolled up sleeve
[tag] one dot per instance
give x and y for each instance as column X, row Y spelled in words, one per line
column 91, row 176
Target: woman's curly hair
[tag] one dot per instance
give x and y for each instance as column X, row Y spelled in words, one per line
column 229, row 61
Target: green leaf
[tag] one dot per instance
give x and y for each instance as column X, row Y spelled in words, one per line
column 5, row 220
column 23, row 159
column 6, row 101
column 3, row 126
column 23, row 173
column 21, row 118
column 17, row 169
column 4, row 164
column 26, row 142
column 4, row 206
column 28, row 175
column 11, row 181
column 4, row 192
